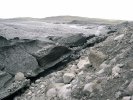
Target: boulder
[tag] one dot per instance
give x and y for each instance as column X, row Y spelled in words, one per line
column 89, row 87
column 67, row 77
column 126, row 98
column 83, row 63
column 64, row 92
column 51, row 93
column 96, row 57
column 94, row 85
column 19, row 76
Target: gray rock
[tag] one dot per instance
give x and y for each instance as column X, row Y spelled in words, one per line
column 94, row 85
column 67, row 77
column 131, row 97
column 119, row 37
column 116, row 70
column 130, row 86
column 96, row 57
column 38, row 81
column 82, row 64
column 89, row 87
column 118, row 94
column 64, row 92
column 126, row 98
column 19, row 76
column 51, row 93
column 130, row 63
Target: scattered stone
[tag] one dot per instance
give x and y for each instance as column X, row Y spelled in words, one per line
column 73, row 68
column 58, row 85
column 130, row 86
column 81, row 73
column 51, row 93
column 94, row 85
column 126, row 98
column 119, row 37
column 131, row 97
column 89, row 87
column 38, row 81
column 19, row 76
column 64, row 92
column 104, row 65
column 130, row 63
column 67, row 77
column 100, row 71
column 96, row 58
column 29, row 93
column 131, row 70
column 118, row 94
column 116, row 71
column 83, row 63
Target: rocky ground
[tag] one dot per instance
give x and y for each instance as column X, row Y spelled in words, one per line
column 66, row 61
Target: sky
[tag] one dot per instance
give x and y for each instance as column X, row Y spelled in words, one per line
column 106, row 9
